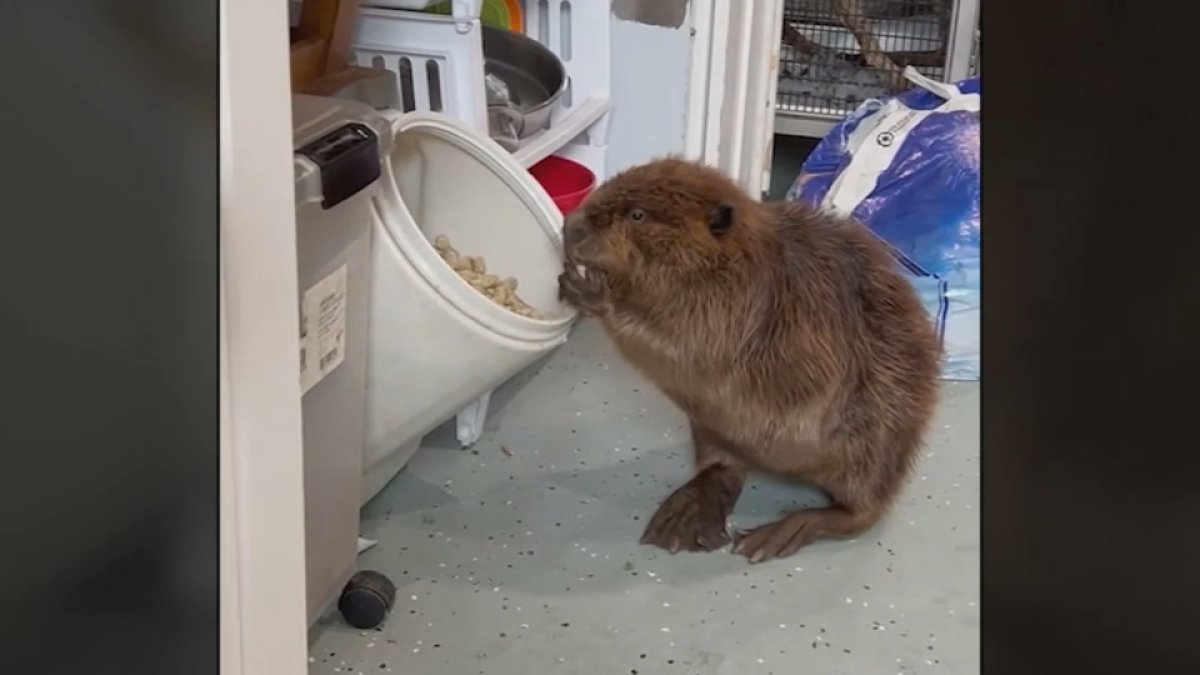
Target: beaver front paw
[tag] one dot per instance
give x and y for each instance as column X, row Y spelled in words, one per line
column 582, row 289
column 691, row 519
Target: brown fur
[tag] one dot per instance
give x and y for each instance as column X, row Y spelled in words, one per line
column 789, row 339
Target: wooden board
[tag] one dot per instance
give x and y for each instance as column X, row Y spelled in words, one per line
column 320, row 47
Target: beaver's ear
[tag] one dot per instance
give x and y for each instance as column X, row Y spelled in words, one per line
column 720, row 219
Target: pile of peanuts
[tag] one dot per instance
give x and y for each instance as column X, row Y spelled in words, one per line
column 473, row 270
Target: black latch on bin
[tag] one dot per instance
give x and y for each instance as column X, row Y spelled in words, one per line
column 348, row 158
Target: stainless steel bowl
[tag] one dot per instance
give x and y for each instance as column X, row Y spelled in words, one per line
column 535, row 77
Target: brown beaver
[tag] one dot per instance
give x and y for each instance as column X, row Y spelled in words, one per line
column 785, row 334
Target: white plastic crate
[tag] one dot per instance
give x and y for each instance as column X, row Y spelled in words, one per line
column 435, row 59
column 438, row 62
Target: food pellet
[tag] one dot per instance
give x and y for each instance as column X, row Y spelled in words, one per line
column 473, row 270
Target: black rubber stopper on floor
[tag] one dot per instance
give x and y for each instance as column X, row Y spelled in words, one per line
column 367, row 599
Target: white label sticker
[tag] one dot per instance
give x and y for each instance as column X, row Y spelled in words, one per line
column 322, row 329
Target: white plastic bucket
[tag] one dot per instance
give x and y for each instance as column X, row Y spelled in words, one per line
column 436, row 343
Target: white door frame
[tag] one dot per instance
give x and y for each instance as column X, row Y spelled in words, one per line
column 263, row 623
column 963, row 24
column 707, row 78
column 731, row 106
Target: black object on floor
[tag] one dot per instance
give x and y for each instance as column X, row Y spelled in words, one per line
column 367, row 599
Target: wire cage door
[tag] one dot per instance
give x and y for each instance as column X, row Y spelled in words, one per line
column 838, row 53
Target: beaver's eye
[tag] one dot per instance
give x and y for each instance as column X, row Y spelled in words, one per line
column 637, row 215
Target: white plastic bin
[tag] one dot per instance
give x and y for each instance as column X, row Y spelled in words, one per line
column 337, row 170
column 437, row 345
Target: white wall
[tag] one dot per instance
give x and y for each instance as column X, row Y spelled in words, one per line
column 650, row 71
column 263, row 628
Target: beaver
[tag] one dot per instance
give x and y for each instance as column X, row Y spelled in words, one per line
column 786, row 334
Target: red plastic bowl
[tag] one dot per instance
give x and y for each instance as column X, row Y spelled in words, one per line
column 567, row 182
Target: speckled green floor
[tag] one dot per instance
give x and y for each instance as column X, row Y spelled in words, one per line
column 520, row 556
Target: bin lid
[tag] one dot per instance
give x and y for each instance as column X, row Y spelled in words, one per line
column 483, row 151
column 470, row 174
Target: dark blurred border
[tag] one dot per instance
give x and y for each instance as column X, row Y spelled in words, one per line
column 1091, row 342
column 108, row 305
column 109, row 359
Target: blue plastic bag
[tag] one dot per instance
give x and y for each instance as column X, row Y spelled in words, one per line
column 908, row 167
